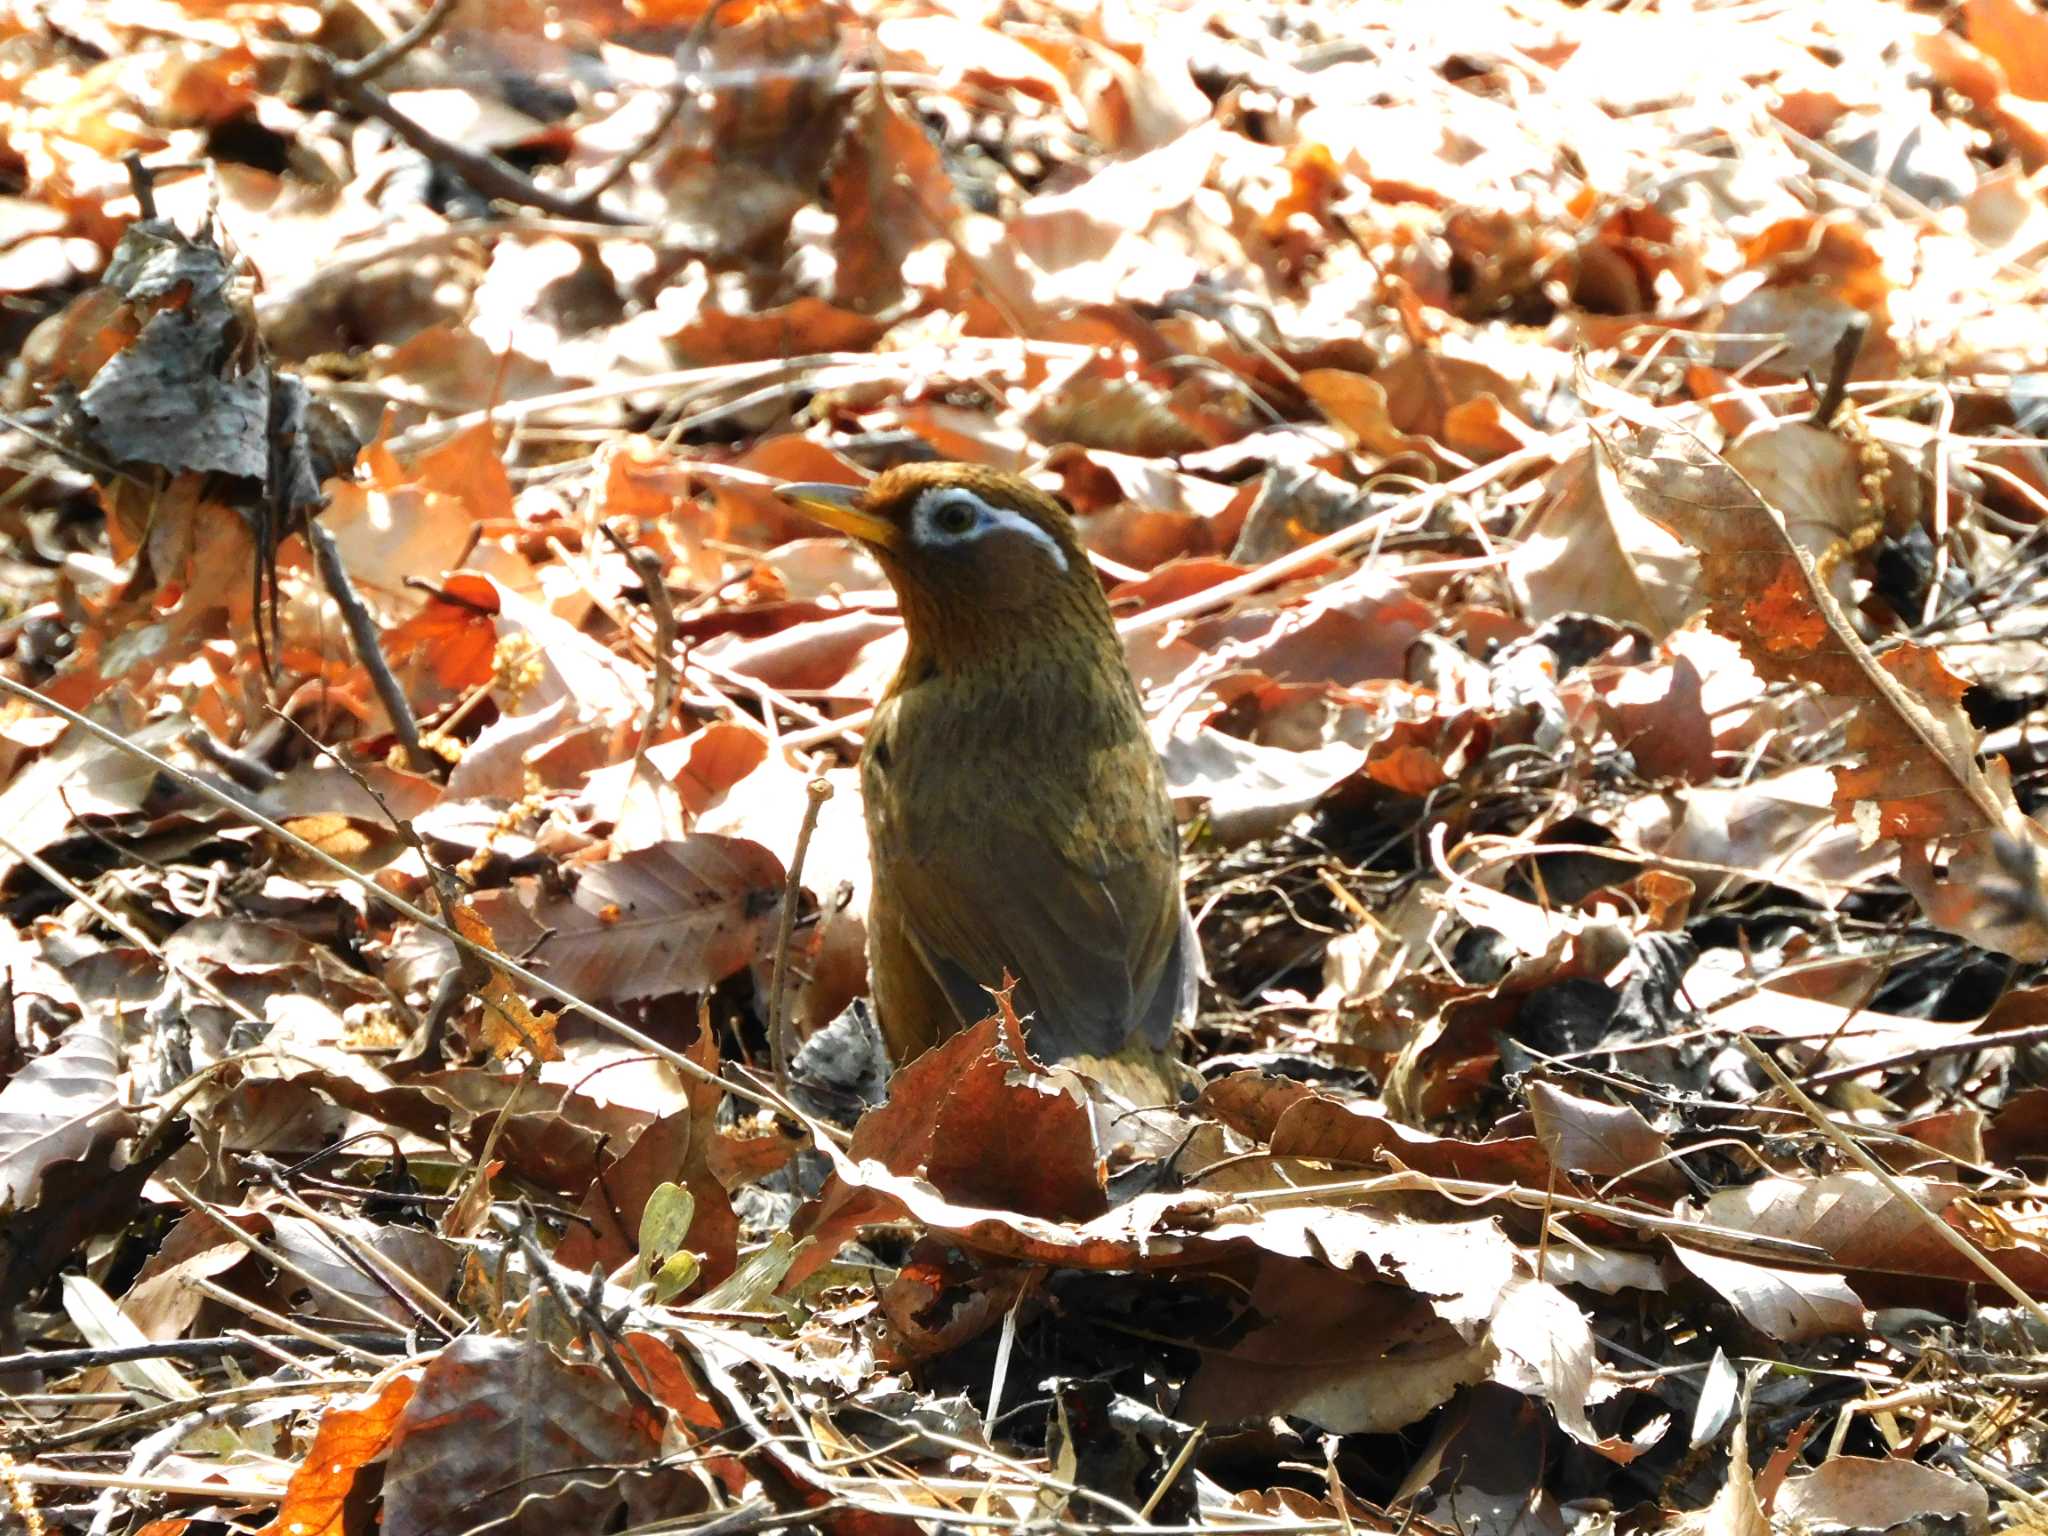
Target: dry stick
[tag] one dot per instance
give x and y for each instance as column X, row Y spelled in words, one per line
column 648, row 569
column 1968, row 1043
column 214, row 1492
column 172, row 1349
column 480, row 169
column 1870, row 1165
column 214, row 1291
column 369, row 1258
column 1698, row 1233
column 156, row 1413
column 761, row 1098
column 585, row 1314
column 1173, row 1471
column 383, row 1272
column 1847, row 345
column 820, row 790
column 910, row 363
column 380, row 59
column 1295, row 561
column 362, row 633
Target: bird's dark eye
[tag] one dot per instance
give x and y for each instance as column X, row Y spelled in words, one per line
column 953, row 517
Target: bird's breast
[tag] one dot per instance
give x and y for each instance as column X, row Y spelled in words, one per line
column 945, row 762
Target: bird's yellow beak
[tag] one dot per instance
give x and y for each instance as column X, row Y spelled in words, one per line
column 838, row 506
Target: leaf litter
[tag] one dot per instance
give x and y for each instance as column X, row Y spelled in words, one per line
column 1570, row 484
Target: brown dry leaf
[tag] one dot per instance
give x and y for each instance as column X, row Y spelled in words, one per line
column 1790, row 1306
column 677, row 1148
column 1000, row 1161
column 352, row 1434
column 1913, row 773
column 744, row 157
column 1974, row 75
column 496, row 1421
column 1735, row 1510
column 359, row 842
column 675, row 917
column 315, row 1249
column 1863, row 1226
column 1297, row 1122
column 1357, row 402
column 1343, row 1351
column 1657, row 713
column 1425, row 387
column 414, row 521
column 453, row 636
column 748, row 512
column 1591, row 547
column 61, row 1107
column 1605, row 1140
column 972, row 57
column 1820, row 483
column 789, row 330
column 1245, row 790
column 80, row 776
column 1088, row 241
column 1875, row 1493
column 892, row 196
column 1532, row 1337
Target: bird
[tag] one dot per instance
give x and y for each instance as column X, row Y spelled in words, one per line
column 1018, row 817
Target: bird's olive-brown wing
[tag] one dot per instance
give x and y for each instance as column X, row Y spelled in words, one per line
column 1076, row 895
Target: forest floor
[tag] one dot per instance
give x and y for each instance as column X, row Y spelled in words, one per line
column 1570, row 482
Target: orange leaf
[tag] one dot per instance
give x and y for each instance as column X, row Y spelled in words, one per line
column 456, row 638
column 347, row 1440
column 509, row 1025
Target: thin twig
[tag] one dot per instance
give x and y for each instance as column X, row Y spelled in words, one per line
column 589, row 1319
column 213, row 1290
column 663, row 650
column 1847, row 345
column 1698, row 1234
column 966, row 358
column 156, row 1413
column 213, row 1490
column 1173, row 1471
column 377, row 1267
column 380, row 59
column 362, row 632
column 175, row 1349
column 819, row 791
column 1963, row 1045
column 1310, row 555
column 479, row 168
column 681, row 91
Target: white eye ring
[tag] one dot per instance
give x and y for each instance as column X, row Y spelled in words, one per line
column 953, row 515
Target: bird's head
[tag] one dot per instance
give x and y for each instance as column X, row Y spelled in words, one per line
column 962, row 543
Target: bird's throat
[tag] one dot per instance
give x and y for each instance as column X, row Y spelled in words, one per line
column 1067, row 643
